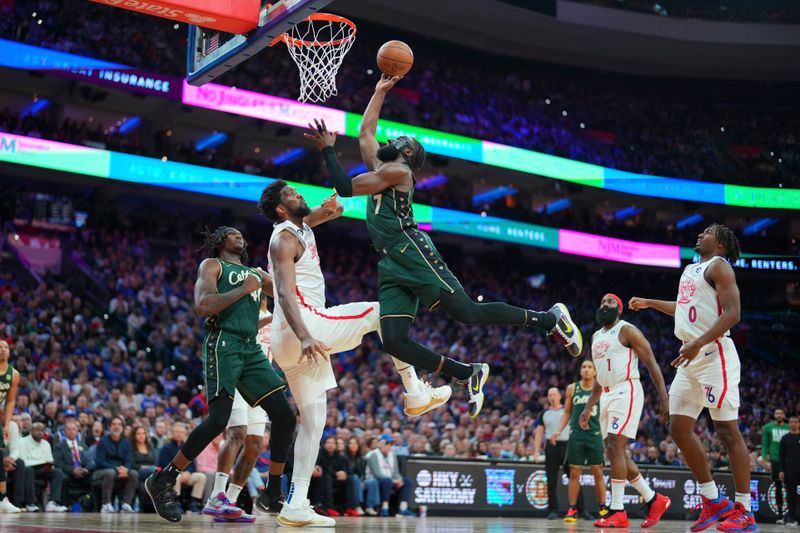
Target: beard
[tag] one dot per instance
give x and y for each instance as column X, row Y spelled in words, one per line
column 387, row 153
column 606, row 315
column 302, row 211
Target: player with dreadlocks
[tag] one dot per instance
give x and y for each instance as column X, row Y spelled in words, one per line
column 228, row 294
column 706, row 308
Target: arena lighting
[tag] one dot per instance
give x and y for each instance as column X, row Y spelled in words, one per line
column 430, row 182
column 210, row 142
column 627, row 212
column 289, row 156
column 35, row 107
column 689, row 221
column 555, row 206
column 356, row 170
column 493, row 194
column 758, row 225
column 290, row 112
column 130, row 124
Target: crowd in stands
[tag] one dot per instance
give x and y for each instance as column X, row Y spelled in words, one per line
column 771, row 11
column 662, row 127
column 113, row 384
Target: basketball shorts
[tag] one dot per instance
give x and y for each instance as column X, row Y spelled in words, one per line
column 232, row 362
column 411, row 271
column 341, row 328
column 621, row 408
column 710, row 381
column 255, row 418
column 585, row 448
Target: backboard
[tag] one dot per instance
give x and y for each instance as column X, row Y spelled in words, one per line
column 210, row 52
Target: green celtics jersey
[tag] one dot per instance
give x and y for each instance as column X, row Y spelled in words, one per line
column 241, row 318
column 5, row 383
column 579, row 399
column 389, row 214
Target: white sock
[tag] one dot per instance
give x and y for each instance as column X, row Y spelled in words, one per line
column 617, row 494
column 409, row 376
column 306, row 449
column 385, row 505
column 710, row 490
column 744, row 499
column 233, row 492
column 643, row 488
column 220, row 482
column 403, row 506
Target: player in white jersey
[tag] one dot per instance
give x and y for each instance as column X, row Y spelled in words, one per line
column 304, row 332
column 246, row 427
column 706, row 308
column 617, row 348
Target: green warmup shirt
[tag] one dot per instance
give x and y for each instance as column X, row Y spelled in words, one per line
column 771, row 439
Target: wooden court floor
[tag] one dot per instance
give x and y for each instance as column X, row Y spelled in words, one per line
column 150, row 523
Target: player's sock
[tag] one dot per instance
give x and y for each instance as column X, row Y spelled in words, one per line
column 403, row 506
column 409, row 376
column 744, row 499
column 220, row 483
column 274, row 485
column 233, row 492
column 643, row 488
column 709, row 490
column 617, row 494
column 306, row 448
column 171, row 472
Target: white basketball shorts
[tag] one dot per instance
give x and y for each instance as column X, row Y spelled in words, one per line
column 341, row 328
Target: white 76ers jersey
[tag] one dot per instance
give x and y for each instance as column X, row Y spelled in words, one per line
column 310, row 283
column 263, row 335
column 614, row 362
column 697, row 306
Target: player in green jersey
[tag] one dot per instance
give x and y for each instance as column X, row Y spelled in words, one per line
column 410, row 268
column 9, row 380
column 228, row 294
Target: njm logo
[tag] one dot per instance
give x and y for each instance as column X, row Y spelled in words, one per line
column 8, row 145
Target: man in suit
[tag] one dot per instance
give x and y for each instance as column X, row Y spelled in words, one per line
column 69, row 456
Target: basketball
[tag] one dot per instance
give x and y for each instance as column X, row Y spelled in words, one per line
column 395, row 58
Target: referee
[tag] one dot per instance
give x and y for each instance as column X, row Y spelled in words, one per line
column 554, row 451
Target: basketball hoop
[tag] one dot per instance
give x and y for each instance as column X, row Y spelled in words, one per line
column 318, row 45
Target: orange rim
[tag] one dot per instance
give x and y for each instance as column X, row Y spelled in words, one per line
column 329, row 17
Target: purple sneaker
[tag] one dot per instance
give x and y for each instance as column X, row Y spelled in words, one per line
column 243, row 518
column 219, row 507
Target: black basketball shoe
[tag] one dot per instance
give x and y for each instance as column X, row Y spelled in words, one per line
column 270, row 504
column 162, row 492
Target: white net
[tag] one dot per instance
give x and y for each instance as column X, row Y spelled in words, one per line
column 318, row 46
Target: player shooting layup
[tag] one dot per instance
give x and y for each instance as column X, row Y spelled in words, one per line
column 707, row 307
column 411, row 269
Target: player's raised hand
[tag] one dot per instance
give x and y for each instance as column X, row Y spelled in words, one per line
column 637, row 304
column 386, row 83
column 330, row 204
column 320, row 135
column 311, row 349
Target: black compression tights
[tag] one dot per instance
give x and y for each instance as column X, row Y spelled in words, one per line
column 219, row 411
column 396, row 341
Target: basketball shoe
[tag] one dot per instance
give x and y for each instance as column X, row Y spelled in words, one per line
column 7, row 507
column 572, row 516
column 162, row 492
column 220, row 506
column 613, row 519
column 303, row 515
column 480, row 373
column 242, row 518
column 566, row 331
column 655, row 509
column 269, row 504
column 711, row 511
column 739, row 521
column 427, row 399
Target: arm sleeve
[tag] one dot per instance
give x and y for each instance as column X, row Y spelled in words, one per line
column 341, row 181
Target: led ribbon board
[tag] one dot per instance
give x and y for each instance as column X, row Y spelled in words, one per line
column 285, row 111
column 53, row 155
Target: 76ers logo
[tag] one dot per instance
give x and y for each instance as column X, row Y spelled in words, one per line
column 686, row 290
column 599, row 349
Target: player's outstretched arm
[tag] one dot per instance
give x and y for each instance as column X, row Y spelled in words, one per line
column 637, row 304
column 368, row 183
column 633, row 338
column 328, row 210
column 206, row 299
column 285, row 248
column 369, row 123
